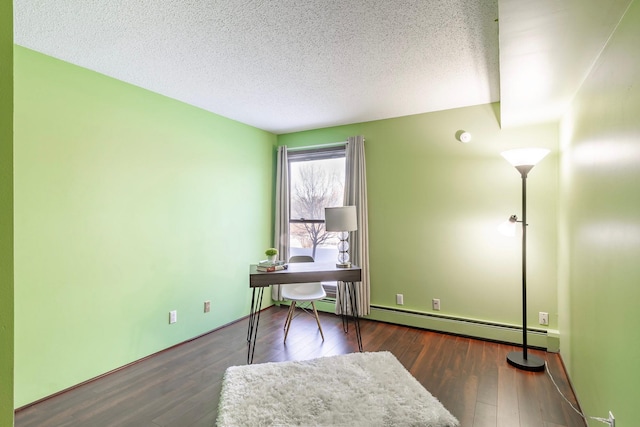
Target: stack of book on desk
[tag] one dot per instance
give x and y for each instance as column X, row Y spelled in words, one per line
column 272, row 266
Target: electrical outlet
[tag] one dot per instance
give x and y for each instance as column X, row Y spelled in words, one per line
column 435, row 303
column 543, row 318
column 207, row 306
column 173, row 316
column 399, row 299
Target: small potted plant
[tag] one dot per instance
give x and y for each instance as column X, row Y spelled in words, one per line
column 272, row 254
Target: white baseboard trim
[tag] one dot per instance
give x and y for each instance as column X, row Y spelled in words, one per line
column 538, row 338
column 544, row 339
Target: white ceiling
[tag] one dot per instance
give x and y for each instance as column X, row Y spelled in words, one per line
column 547, row 49
column 293, row 65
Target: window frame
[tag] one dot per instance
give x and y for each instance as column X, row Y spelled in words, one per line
column 310, row 154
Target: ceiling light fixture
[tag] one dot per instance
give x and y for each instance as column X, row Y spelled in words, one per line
column 463, row 136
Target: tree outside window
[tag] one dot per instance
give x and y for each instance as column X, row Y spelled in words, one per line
column 316, row 182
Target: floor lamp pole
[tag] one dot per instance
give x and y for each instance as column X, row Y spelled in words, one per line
column 524, row 360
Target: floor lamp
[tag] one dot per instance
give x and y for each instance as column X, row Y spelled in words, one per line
column 524, row 160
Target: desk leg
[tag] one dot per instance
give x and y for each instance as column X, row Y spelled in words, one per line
column 354, row 312
column 343, row 305
column 350, row 288
column 254, row 320
column 250, row 325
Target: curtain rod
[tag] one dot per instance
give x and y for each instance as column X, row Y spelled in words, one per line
column 311, row 147
column 329, row 145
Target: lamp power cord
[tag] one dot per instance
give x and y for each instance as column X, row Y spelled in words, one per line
column 610, row 421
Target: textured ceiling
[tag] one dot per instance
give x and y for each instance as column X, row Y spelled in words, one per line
column 289, row 65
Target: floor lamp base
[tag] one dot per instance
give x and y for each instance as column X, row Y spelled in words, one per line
column 531, row 363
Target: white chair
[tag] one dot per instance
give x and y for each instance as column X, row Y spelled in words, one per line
column 302, row 292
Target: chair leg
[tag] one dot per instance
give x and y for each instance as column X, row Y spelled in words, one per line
column 292, row 308
column 289, row 315
column 317, row 319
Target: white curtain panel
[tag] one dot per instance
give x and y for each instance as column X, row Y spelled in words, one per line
column 281, row 230
column 355, row 194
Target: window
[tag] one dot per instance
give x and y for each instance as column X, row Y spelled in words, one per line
column 316, row 181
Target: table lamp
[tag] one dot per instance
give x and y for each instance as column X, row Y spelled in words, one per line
column 342, row 220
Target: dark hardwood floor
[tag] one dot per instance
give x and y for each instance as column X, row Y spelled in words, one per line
column 181, row 386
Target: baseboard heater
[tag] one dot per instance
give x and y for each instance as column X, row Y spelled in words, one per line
column 491, row 331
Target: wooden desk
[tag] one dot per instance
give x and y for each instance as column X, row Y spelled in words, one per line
column 302, row 272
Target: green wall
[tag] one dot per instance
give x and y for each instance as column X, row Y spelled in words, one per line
column 435, row 204
column 6, row 213
column 124, row 200
column 127, row 205
column 600, row 230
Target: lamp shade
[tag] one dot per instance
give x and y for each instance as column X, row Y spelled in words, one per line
column 341, row 218
column 525, row 156
column 508, row 228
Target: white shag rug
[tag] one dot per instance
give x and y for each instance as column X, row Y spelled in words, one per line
column 358, row 389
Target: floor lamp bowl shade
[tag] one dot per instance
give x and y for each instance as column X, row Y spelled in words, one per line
column 525, row 156
column 342, row 220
